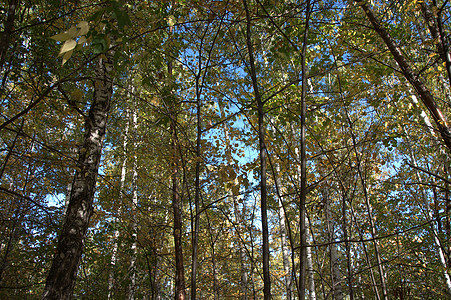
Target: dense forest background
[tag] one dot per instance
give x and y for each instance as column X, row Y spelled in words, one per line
column 234, row 149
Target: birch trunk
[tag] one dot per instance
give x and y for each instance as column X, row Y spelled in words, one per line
column 243, row 270
column 63, row 272
column 283, row 237
column 335, row 271
column 309, row 258
column 303, row 196
column 116, row 230
column 132, row 268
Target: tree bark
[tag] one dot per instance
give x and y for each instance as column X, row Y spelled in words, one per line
column 121, row 191
column 132, row 267
column 7, row 31
column 262, row 154
column 335, row 271
column 197, row 181
column 309, row 258
column 63, row 272
column 283, row 241
column 347, row 246
column 180, row 293
column 303, row 196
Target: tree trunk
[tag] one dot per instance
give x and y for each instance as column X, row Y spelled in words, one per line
column 309, row 258
column 63, row 272
column 347, row 246
column 7, row 31
column 132, row 268
column 197, row 182
column 262, row 154
column 238, row 216
column 243, row 270
column 18, row 217
column 303, row 196
column 213, row 258
column 447, row 211
column 335, row 271
column 113, row 260
column 180, row 293
column 283, row 236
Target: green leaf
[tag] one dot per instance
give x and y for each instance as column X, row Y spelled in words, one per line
column 123, row 20
column 98, row 44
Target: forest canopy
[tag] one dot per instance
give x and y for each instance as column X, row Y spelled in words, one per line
column 233, row 149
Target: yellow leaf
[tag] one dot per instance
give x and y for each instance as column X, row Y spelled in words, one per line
column 69, row 45
column 235, row 190
column 77, row 95
column 66, row 56
column 84, row 28
column 81, row 40
column 171, row 20
column 61, row 37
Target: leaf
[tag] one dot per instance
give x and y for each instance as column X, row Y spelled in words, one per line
column 84, row 28
column 76, row 95
column 81, row 40
column 66, row 56
column 61, row 37
column 235, row 190
column 68, row 46
column 98, row 44
column 72, row 32
column 171, row 20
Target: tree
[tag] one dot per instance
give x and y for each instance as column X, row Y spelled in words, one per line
column 265, row 149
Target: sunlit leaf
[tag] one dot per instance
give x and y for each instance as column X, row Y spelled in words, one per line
column 68, row 46
column 84, row 28
column 61, row 37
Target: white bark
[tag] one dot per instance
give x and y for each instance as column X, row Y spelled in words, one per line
column 310, row 271
column 335, row 271
column 132, row 286
column 283, row 236
column 116, row 231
